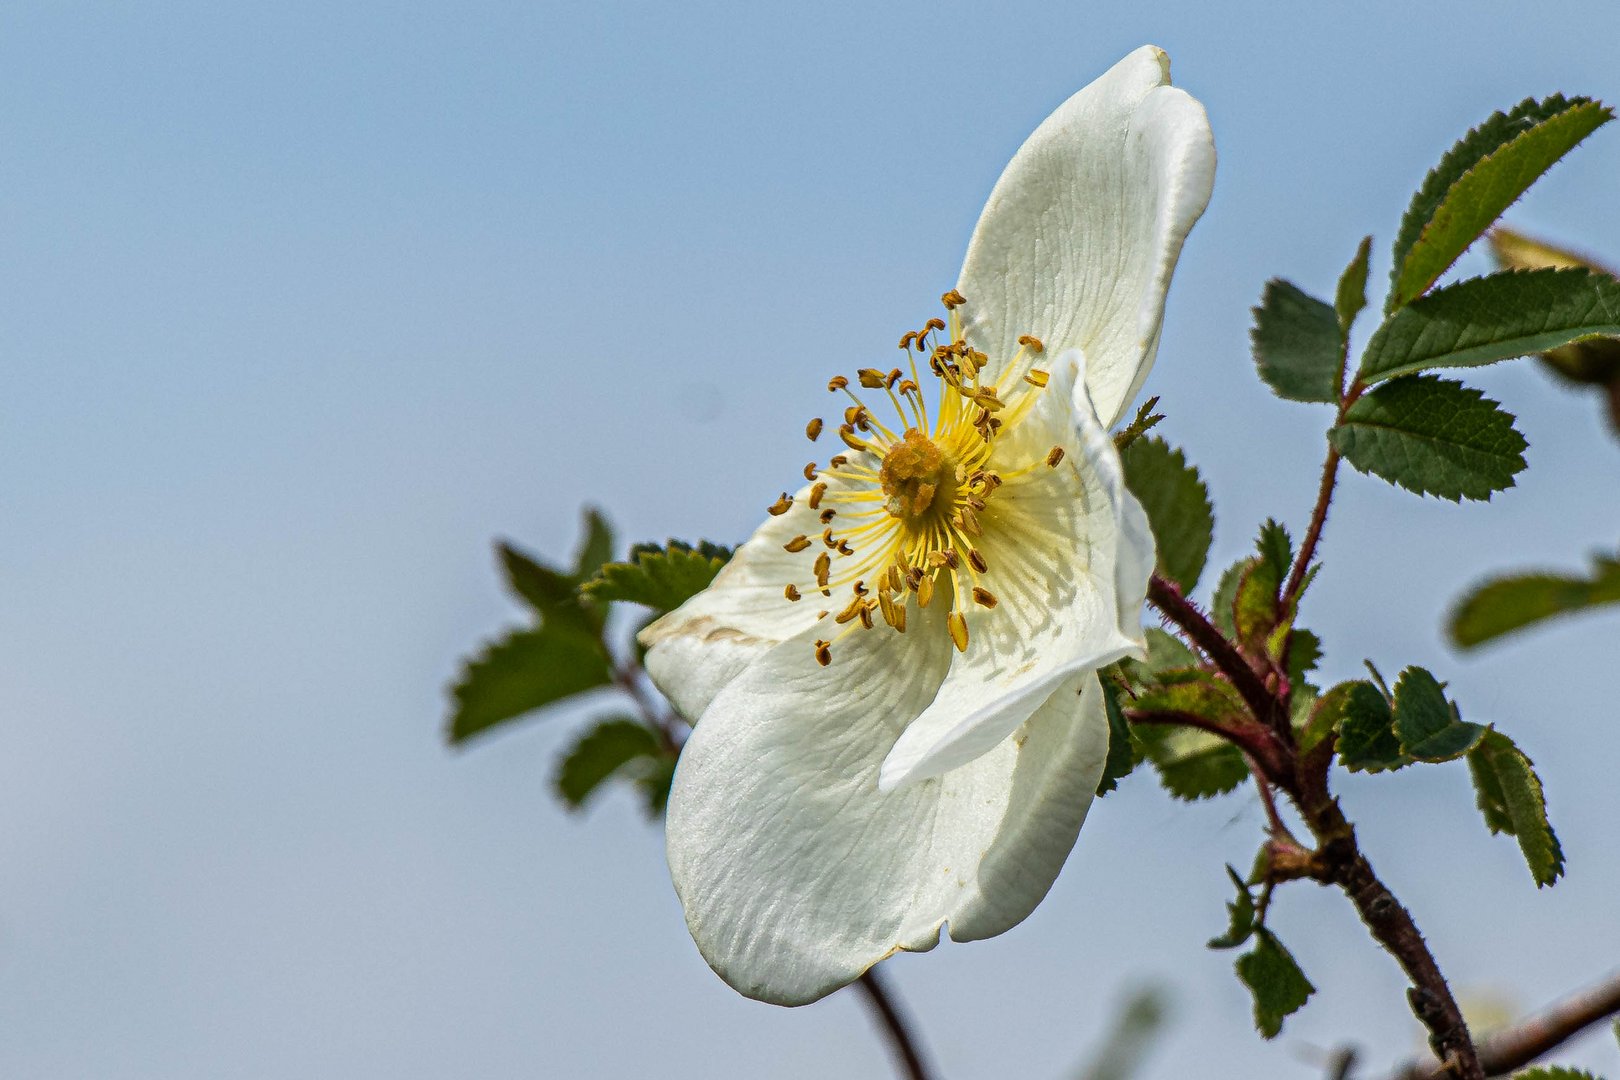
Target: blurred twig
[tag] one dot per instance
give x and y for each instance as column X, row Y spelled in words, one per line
column 894, row 1026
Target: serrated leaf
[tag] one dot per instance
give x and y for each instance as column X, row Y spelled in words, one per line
column 1478, row 179
column 1121, row 748
column 1433, row 437
column 1254, row 609
column 526, row 670
column 1512, row 603
column 1177, row 505
column 1351, row 296
column 660, row 578
column 1279, row 987
column 1440, row 187
column 1221, row 605
column 1593, row 362
column 544, row 588
column 1304, row 651
column 596, row 549
column 1195, row 693
column 1367, row 740
column 1554, row 1072
column 1298, row 345
column 1496, row 317
column 1240, row 913
column 1510, row 796
column 1426, row 723
column 1193, row 764
column 1326, row 716
column 604, row 750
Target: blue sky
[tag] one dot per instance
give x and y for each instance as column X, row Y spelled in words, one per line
column 303, row 304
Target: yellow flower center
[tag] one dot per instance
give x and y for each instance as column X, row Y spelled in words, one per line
column 902, row 510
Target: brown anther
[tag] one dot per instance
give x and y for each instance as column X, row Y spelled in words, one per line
column 844, row 548
column 987, row 398
column 847, row 433
column 823, row 566
column 822, row 615
column 828, row 538
column 976, row 560
column 852, row 609
column 860, row 588
column 823, row 653
column 812, row 430
column 896, row 580
column 791, row 592
column 914, row 578
column 797, row 544
column 892, row 378
column 1036, row 377
column 968, row 521
column 1053, row 456
column 852, row 415
column 933, row 324
column 887, row 607
column 837, row 383
column 871, row 378
column 780, row 506
column 827, row 515
column 810, row 470
column 953, row 300
column 815, row 495
column 866, row 614
column 958, row 628
column 969, row 368
column 899, row 618
column 925, row 590
column 983, row 597
column 1032, row 343
column 975, row 503
column 838, row 461
column 908, row 387
column 907, row 338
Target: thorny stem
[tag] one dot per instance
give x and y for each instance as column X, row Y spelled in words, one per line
column 903, row 1043
column 1337, row 860
column 1313, row 532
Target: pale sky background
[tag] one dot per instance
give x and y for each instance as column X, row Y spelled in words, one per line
column 302, row 304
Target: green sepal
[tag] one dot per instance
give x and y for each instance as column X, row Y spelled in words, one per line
column 1427, row 723
column 616, row 747
column 662, row 578
column 1272, row 975
column 1241, row 915
column 1351, row 296
column 1366, row 723
column 1145, row 421
column 1177, row 505
column 1432, row 437
column 1498, row 317
column 1298, row 346
column 1477, row 179
column 1510, row 796
column 522, row 672
column 1514, row 602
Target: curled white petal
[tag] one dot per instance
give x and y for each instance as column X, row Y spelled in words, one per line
column 797, row 874
column 1080, row 235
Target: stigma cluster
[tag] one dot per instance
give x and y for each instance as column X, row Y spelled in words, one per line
column 905, row 505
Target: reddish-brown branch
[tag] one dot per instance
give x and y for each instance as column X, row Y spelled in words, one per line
column 1166, row 595
column 1313, row 532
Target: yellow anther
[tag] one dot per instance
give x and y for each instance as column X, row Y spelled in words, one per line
column 866, row 614
column 847, row 433
column 925, row 590
column 987, row 398
column 815, row 495
column 1032, row 343
column 1036, row 377
column 810, row 470
column 823, row 653
column 828, row 538
column 844, row 548
column 1053, row 456
column 907, row 338
column 838, row 462
column 797, row 544
column 871, row 378
column 791, row 592
column 896, row 580
column 976, row 560
column 812, row 430
column 892, row 378
column 887, row 607
column 958, row 627
column 859, row 588
column 953, row 300
column 780, row 506
column 836, row 383
column 983, row 597
column 850, row 612
column 908, row 387
column 968, row 522
column 933, row 324
column 853, row 414
column 823, row 565
column 975, row 503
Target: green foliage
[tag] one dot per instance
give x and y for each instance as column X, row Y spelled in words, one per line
column 1177, row 505
column 1477, row 179
column 1298, row 344
column 1145, row 421
column 524, row 671
column 1279, row 987
column 1366, row 724
column 1325, row 717
column 1221, row 605
column 1304, row 651
column 1510, row 796
column 1511, row 603
column 1241, row 913
column 1122, row 750
column 1497, row 317
column 1554, row 1072
column 616, row 747
column 1593, row 362
column 1426, row 723
column 1351, row 296
column 1433, row 437
column 1254, row 608
column 1134, row 1034
column 597, row 547
column 1192, row 764
column 660, row 578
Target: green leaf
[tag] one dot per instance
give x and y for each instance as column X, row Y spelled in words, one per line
column 1177, row 505
column 524, row 671
column 1510, row 796
column 604, row 750
column 1554, row 1072
column 1297, row 344
column 654, row 785
column 1367, row 741
column 1241, row 912
column 596, row 550
column 1512, row 603
column 1426, row 723
column 545, row 589
column 1496, row 317
column 1479, row 178
column 1121, row 748
column 1304, row 651
column 1433, row 437
column 1255, row 606
column 1135, row 1034
column 660, row 578
column 1351, row 296
column 1223, row 603
column 1279, row 987
column 1192, row 764
column 1593, row 362
column 1326, row 715
column 1195, row 693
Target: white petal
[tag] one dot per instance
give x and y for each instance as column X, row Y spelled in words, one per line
column 706, row 642
column 1081, row 233
column 1070, row 552
column 797, row 874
